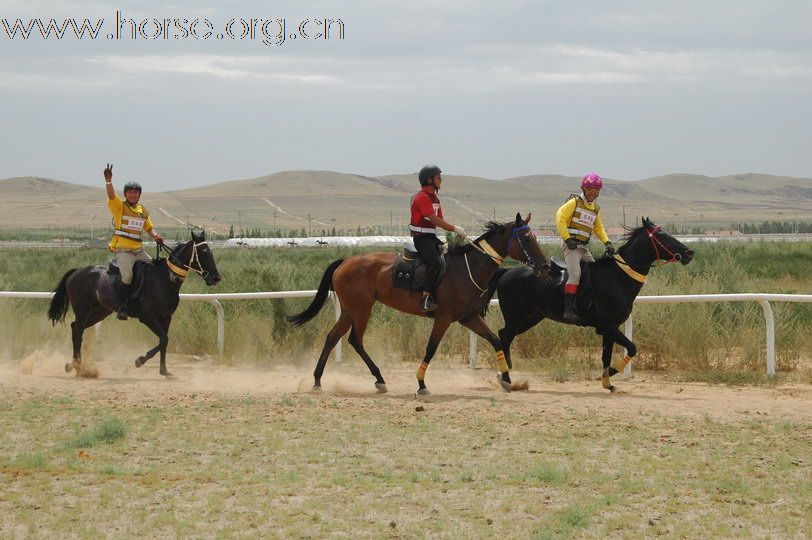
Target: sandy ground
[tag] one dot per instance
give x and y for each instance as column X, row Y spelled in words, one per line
column 43, row 373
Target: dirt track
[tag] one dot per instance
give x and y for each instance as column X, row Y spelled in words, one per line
column 41, row 373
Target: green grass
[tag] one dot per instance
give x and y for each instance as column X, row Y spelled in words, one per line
column 106, row 431
column 336, row 465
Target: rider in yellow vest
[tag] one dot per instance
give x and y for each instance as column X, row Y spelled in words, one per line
column 577, row 220
column 130, row 218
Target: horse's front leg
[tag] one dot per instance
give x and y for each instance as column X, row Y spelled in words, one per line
column 611, row 336
column 477, row 324
column 165, row 323
column 437, row 333
column 158, row 329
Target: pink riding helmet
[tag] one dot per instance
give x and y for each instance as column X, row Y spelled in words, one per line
column 592, row 180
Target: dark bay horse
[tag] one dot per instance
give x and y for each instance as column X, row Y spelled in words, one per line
column 605, row 297
column 154, row 307
column 462, row 295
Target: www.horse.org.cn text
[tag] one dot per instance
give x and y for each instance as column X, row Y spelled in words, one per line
column 268, row 31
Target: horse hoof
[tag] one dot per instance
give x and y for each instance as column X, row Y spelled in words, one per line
column 68, row 367
column 140, row 362
column 423, row 391
column 316, row 388
column 612, row 388
column 506, row 386
column 168, row 375
column 381, row 387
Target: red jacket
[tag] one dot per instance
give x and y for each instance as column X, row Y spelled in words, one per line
column 424, row 204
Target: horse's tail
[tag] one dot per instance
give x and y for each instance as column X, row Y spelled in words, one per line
column 321, row 296
column 59, row 304
column 495, row 281
column 492, row 287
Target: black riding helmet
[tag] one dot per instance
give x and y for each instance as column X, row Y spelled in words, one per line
column 132, row 186
column 427, row 173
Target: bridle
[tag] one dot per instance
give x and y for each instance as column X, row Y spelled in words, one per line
column 487, row 250
column 181, row 269
column 656, row 245
column 528, row 259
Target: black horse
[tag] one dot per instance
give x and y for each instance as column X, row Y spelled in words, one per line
column 462, row 295
column 92, row 295
column 605, row 296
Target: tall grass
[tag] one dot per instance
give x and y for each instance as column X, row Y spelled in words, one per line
column 721, row 336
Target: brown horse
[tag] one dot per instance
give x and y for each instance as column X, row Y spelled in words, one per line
column 462, row 295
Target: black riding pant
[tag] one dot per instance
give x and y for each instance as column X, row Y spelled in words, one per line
column 429, row 247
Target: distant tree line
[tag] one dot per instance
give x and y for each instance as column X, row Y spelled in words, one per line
column 773, row 227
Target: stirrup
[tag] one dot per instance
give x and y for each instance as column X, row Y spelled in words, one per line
column 122, row 314
column 428, row 304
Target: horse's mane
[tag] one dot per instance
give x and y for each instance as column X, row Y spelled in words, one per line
column 490, row 228
column 632, row 232
column 627, row 236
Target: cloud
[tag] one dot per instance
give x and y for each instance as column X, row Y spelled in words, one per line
column 220, row 66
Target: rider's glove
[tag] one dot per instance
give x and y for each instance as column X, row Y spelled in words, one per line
column 610, row 249
column 571, row 243
column 459, row 231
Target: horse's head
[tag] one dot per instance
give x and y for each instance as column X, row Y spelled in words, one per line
column 196, row 255
column 517, row 241
column 664, row 247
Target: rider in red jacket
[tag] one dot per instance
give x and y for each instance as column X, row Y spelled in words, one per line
column 427, row 216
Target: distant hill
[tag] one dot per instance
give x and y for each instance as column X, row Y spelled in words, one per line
column 325, row 199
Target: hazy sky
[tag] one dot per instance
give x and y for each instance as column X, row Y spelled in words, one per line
column 630, row 89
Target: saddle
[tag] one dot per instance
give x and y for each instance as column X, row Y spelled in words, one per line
column 410, row 268
column 110, row 281
column 584, row 295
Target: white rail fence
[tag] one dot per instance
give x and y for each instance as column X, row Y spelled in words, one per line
column 763, row 299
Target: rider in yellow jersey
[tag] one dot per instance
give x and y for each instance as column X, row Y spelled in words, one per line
column 130, row 218
column 577, row 220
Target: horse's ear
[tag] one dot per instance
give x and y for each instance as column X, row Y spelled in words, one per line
column 647, row 222
column 526, row 221
column 518, row 217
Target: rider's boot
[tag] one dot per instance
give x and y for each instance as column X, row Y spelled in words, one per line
column 123, row 297
column 570, row 310
column 428, row 303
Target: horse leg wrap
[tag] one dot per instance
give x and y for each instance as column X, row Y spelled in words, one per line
column 623, row 363
column 606, row 381
column 421, row 371
column 500, row 359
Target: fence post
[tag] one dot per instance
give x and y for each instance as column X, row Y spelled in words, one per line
column 768, row 315
column 221, row 326
column 628, row 330
column 472, row 349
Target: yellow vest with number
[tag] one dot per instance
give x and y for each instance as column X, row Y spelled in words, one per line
column 129, row 222
column 582, row 221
